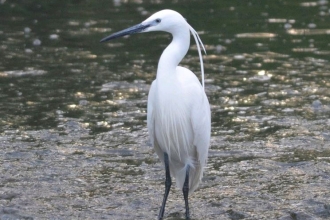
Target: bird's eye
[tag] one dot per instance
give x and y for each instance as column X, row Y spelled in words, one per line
column 158, row 20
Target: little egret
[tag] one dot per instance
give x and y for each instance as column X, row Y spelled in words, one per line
column 179, row 117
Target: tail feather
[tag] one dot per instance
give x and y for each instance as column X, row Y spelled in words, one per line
column 195, row 177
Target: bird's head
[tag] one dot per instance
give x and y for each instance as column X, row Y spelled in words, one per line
column 165, row 20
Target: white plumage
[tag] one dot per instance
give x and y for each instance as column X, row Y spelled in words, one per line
column 178, row 109
column 179, row 118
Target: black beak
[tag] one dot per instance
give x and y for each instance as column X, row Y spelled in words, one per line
column 132, row 30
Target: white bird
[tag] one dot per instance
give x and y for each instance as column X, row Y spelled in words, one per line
column 179, row 117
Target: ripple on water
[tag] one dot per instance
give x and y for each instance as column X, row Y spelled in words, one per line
column 18, row 73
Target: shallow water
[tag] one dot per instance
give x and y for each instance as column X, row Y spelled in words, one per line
column 74, row 143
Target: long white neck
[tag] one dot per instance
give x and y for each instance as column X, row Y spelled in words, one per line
column 174, row 53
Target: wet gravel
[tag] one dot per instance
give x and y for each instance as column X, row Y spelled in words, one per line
column 67, row 173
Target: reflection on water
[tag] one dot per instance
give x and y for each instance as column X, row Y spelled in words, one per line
column 73, row 112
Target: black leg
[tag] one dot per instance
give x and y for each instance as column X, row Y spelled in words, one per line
column 185, row 191
column 168, row 183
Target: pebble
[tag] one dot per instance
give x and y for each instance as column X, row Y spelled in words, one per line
column 311, row 25
column 53, row 36
column 37, row 42
column 27, row 30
